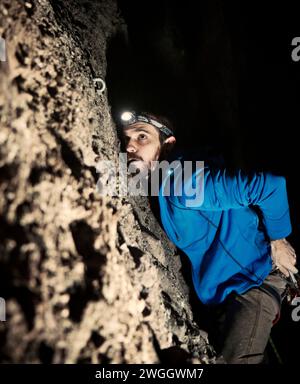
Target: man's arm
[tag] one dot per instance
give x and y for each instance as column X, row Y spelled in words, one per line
column 223, row 191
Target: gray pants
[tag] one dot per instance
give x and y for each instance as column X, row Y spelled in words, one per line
column 245, row 321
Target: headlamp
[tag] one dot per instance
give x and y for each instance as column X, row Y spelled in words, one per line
column 130, row 117
column 127, row 118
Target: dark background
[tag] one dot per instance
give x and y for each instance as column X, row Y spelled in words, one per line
column 222, row 72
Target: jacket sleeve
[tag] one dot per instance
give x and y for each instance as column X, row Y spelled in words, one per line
column 222, row 190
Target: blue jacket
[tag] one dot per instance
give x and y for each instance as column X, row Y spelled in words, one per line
column 225, row 238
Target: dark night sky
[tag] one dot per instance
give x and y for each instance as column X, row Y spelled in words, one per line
column 223, row 72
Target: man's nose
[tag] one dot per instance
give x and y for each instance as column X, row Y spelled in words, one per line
column 131, row 148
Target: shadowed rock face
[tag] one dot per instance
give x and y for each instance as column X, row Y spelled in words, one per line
column 85, row 278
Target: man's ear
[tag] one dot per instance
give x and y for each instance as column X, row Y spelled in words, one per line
column 170, row 140
column 167, row 147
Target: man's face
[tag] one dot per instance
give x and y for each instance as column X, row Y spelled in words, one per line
column 142, row 145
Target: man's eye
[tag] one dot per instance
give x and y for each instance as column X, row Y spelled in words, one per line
column 142, row 136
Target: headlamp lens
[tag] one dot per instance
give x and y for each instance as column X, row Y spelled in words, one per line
column 127, row 116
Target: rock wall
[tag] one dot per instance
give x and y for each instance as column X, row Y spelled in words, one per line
column 85, row 278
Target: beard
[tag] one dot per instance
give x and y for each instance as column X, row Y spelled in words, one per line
column 138, row 174
column 136, row 166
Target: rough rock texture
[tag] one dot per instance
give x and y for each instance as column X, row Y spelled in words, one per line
column 86, row 278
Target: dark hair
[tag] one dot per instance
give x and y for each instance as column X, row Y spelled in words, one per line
column 163, row 120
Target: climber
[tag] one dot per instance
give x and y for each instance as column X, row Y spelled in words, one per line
column 235, row 238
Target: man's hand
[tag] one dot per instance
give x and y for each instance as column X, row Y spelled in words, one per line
column 284, row 256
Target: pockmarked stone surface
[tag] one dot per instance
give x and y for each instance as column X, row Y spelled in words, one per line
column 85, row 278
